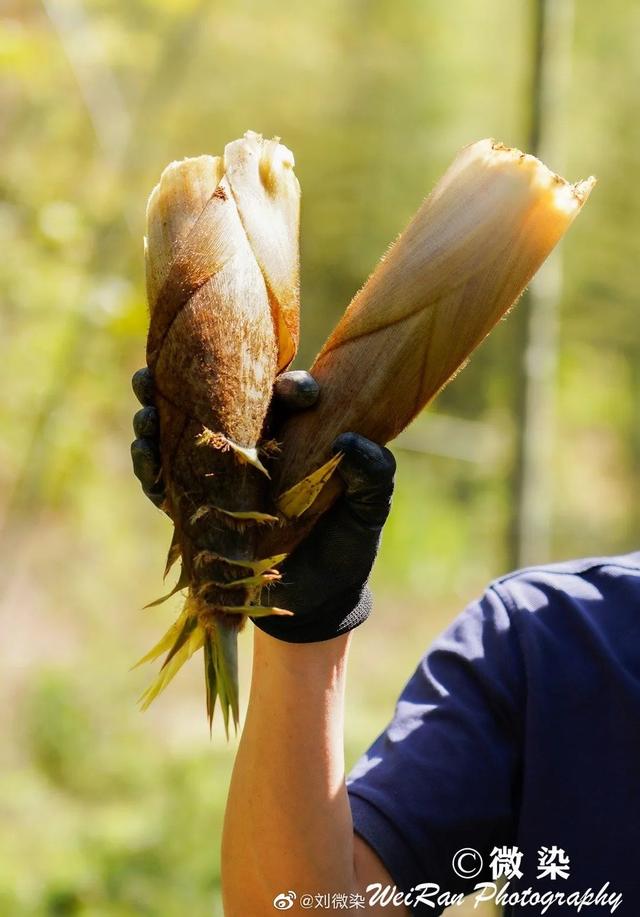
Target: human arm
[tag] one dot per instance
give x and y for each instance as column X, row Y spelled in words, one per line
column 288, row 823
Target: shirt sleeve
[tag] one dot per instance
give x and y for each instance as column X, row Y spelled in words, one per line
column 444, row 774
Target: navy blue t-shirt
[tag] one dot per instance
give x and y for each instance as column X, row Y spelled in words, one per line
column 519, row 729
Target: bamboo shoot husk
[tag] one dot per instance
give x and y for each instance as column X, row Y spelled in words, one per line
column 222, row 286
column 460, row 265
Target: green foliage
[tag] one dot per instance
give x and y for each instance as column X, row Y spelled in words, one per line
column 105, row 812
column 59, row 730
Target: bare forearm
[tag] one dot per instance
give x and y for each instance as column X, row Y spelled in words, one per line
column 288, row 821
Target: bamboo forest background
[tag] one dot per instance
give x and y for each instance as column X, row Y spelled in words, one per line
column 530, row 455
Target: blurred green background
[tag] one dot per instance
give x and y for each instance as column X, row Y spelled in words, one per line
column 104, row 811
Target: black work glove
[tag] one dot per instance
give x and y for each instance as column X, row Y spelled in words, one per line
column 325, row 579
column 145, row 449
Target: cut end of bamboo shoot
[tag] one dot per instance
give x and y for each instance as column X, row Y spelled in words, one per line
column 567, row 198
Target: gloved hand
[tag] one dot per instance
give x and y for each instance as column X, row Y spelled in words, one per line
column 325, row 579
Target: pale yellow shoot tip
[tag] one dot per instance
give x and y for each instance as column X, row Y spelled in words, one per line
column 567, row 198
column 297, row 499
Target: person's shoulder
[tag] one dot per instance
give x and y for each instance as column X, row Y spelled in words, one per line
column 572, row 573
column 587, row 579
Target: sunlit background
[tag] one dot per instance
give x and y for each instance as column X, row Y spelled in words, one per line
column 103, row 810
